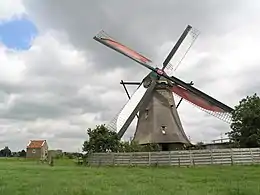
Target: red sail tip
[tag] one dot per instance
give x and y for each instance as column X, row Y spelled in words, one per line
column 187, row 95
column 126, row 50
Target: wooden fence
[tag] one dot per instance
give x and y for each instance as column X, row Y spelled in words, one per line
column 179, row 158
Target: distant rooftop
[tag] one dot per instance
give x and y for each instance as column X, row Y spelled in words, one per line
column 36, row 143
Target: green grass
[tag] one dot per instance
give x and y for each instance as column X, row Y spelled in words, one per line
column 18, row 177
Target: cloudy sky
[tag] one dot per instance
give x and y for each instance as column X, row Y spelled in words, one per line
column 56, row 81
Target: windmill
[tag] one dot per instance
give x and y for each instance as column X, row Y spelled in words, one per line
column 153, row 102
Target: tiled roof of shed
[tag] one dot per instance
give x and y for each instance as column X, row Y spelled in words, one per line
column 36, row 143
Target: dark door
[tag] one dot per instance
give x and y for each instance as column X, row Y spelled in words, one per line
column 165, row 147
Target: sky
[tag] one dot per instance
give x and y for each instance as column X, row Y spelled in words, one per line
column 56, row 81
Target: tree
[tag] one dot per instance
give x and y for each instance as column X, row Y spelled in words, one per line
column 246, row 123
column 129, row 147
column 135, row 147
column 199, row 145
column 152, row 147
column 101, row 140
column 22, row 153
column 6, row 152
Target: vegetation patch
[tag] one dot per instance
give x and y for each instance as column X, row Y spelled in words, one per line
column 30, row 178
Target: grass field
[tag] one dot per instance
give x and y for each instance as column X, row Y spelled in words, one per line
column 30, row 178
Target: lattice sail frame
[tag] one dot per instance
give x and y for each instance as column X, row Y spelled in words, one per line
column 202, row 104
column 182, row 51
column 224, row 116
column 107, row 40
column 113, row 124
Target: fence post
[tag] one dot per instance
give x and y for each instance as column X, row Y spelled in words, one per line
column 252, row 156
column 257, row 160
column 221, row 157
column 99, row 161
column 231, row 156
column 191, row 159
column 130, row 158
column 258, row 155
column 179, row 160
column 113, row 158
column 88, row 159
column 170, row 158
column 211, row 156
column 149, row 158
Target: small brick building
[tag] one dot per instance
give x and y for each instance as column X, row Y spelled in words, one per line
column 37, row 149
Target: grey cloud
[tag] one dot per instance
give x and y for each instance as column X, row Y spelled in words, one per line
column 143, row 26
column 201, row 73
column 71, row 134
column 250, row 85
column 33, row 106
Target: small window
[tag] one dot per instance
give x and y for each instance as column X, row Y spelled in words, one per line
column 33, row 151
column 146, row 113
column 163, row 129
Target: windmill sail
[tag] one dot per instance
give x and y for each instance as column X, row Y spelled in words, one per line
column 183, row 48
column 176, row 46
column 129, row 106
column 121, row 117
column 105, row 39
column 143, row 102
column 203, row 103
column 195, row 99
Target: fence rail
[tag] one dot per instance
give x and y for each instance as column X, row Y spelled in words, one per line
column 179, row 158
